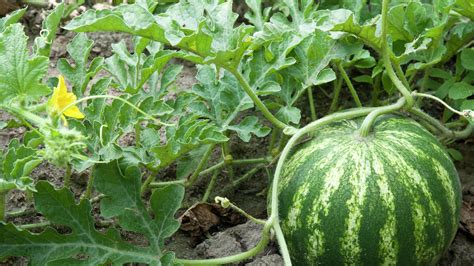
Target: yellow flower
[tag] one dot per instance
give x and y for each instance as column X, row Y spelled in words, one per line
column 60, row 99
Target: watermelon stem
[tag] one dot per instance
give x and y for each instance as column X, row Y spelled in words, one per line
column 370, row 119
column 446, row 132
column 349, row 84
column 3, row 195
column 405, row 91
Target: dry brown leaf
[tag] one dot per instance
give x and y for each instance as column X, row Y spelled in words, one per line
column 201, row 217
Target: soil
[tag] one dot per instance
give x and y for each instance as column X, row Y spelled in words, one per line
column 223, row 239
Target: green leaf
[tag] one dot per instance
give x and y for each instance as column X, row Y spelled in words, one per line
column 79, row 73
column 224, row 96
column 407, row 21
column 250, row 126
column 203, row 28
column 460, row 90
column 16, row 165
column 11, row 18
column 313, row 55
column 20, row 74
column 455, row 154
column 467, row 105
column 256, row 15
column 50, row 26
column 186, row 165
column 190, row 133
column 344, row 20
column 465, row 7
column 123, row 200
column 467, row 58
column 289, row 114
column 87, row 246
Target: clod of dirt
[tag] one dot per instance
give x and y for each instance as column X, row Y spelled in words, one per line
column 235, row 240
column 273, row 260
column 7, row 6
column 201, row 217
column 461, row 252
column 467, row 216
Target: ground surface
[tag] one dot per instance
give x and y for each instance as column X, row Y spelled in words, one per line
column 225, row 237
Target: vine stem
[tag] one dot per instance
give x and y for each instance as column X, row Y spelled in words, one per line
column 87, row 194
column 210, row 186
column 225, row 203
column 370, row 119
column 337, row 92
column 349, row 84
column 386, row 58
column 148, row 181
column 35, row 225
column 243, row 178
column 311, row 103
column 3, row 205
column 227, row 156
column 246, row 86
column 466, row 132
column 19, row 213
column 200, row 166
column 67, row 176
column 115, row 98
column 424, row 95
column 211, row 169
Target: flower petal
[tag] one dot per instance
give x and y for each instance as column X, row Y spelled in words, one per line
column 74, row 112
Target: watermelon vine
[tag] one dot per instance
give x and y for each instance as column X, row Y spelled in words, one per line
column 368, row 185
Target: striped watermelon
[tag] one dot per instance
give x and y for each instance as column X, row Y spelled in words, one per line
column 391, row 198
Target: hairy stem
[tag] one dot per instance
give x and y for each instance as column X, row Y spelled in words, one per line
column 370, row 119
column 281, row 241
column 311, row 103
column 192, row 179
column 87, row 194
column 242, row 179
column 3, row 205
column 386, row 58
column 227, row 204
column 424, row 95
column 400, row 73
column 260, row 105
column 273, row 138
column 349, row 84
column 20, row 213
column 446, row 132
column 67, row 176
column 148, row 181
column 210, row 186
column 33, row 226
column 227, row 156
column 335, row 98
column 167, row 183
column 211, row 169
column 376, row 92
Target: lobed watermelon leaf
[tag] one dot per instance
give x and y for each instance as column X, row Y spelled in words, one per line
column 20, row 73
column 80, row 72
column 43, row 43
column 85, row 245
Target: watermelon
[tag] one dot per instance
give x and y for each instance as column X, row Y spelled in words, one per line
column 390, row 198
